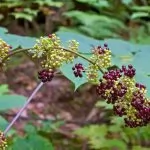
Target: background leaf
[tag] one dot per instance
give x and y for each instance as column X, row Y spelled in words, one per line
column 11, row 101
column 37, row 142
column 3, row 89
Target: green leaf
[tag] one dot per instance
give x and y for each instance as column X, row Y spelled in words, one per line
column 20, row 143
column 138, row 15
column 11, row 101
column 3, row 30
column 141, row 8
column 96, row 143
column 22, row 15
column 3, row 125
column 49, row 3
column 30, row 11
column 115, row 128
column 95, row 3
column 91, row 19
column 4, row 89
column 15, row 40
column 117, row 120
column 32, row 142
column 48, row 126
column 66, row 69
column 85, row 46
column 114, row 143
column 37, row 142
column 30, row 129
column 11, row 4
column 92, row 131
column 140, row 62
column 126, row 2
column 140, row 148
column 100, row 32
column 67, row 29
column 102, row 103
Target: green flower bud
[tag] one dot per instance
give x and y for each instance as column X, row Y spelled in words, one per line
column 51, row 53
column 4, row 49
column 3, row 142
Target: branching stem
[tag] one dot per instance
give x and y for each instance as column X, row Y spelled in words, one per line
column 13, row 52
column 68, row 50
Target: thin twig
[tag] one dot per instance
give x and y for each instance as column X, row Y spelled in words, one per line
column 23, row 108
column 13, row 52
column 78, row 54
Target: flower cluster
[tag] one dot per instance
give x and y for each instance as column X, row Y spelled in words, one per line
column 46, row 75
column 119, row 88
column 51, row 53
column 102, row 56
column 4, row 49
column 102, row 59
column 78, row 69
column 73, row 46
column 3, row 142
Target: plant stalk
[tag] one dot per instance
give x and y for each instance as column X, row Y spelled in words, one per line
column 22, row 109
column 13, row 52
column 78, row 54
column 68, row 50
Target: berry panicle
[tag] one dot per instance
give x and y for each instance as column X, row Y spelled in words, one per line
column 119, row 88
column 51, row 52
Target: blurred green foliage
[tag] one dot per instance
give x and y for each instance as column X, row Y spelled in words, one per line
column 96, row 18
column 110, row 19
column 114, row 135
column 25, row 9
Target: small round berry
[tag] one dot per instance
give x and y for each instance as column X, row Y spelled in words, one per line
column 105, row 45
column 78, row 69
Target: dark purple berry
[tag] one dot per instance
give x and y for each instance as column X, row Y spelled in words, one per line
column 46, row 75
column 78, row 69
column 105, row 45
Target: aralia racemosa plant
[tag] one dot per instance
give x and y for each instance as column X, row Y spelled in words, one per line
column 117, row 86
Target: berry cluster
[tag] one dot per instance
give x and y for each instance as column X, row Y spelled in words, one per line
column 78, row 69
column 4, row 49
column 3, row 142
column 46, row 75
column 142, row 107
column 130, row 71
column 102, row 59
column 118, row 87
column 51, row 53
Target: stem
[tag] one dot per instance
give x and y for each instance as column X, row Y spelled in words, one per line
column 23, row 108
column 78, row 54
column 68, row 50
column 13, row 52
